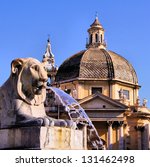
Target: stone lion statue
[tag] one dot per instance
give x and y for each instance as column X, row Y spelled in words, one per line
column 23, row 94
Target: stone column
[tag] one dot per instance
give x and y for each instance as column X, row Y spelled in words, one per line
column 148, row 136
column 118, row 136
column 85, row 137
column 121, row 136
column 139, row 136
column 110, row 135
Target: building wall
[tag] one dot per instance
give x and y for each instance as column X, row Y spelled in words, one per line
column 102, row 130
column 133, row 93
column 115, row 142
column 134, row 137
column 137, row 133
column 84, row 88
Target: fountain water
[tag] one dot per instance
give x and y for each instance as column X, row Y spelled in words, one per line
column 76, row 113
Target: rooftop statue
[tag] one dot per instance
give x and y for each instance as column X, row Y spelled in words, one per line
column 22, row 96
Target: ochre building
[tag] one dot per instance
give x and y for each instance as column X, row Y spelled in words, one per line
column 106, row 85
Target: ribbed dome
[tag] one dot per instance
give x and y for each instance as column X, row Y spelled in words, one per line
column 97, row 64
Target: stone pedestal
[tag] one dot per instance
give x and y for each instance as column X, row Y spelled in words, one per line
column 42, row 138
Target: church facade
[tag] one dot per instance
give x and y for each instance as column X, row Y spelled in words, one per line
column 106, row 86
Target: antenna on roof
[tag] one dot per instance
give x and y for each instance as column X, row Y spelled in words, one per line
column 48, row 37
column 96, row 15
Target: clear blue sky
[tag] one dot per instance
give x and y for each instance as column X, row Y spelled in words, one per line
column 25, row 25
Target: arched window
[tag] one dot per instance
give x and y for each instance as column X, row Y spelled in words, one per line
column 101, row 38
column 90, row 39
column 97, row 37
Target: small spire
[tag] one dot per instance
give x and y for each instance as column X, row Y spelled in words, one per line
column 49, row 62
column 96, row 21
column 48, row 52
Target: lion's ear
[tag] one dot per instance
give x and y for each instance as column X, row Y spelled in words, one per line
column 16, row 65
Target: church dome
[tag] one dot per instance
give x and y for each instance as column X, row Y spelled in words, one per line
column 97, row 64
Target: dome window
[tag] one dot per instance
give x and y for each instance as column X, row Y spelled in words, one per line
column 96, row 89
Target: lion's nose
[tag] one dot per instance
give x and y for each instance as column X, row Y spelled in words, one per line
column 44, row 78
column 43, row 75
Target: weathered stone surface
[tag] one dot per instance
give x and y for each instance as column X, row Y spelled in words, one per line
column 42, row 138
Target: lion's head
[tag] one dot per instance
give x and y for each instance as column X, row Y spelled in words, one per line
column 30, row 80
